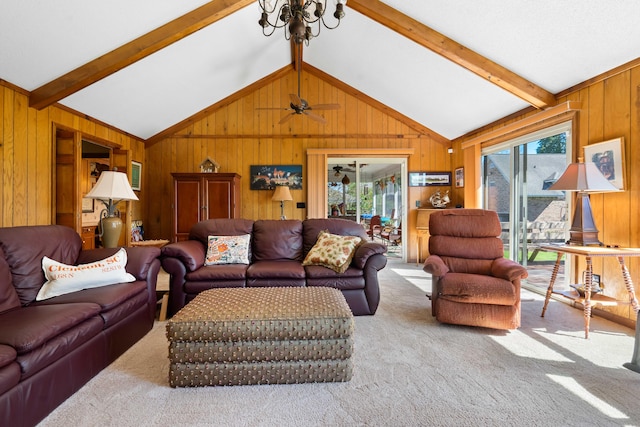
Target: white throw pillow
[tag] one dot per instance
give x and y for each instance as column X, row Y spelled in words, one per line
column 228, row 250
column 63, row 279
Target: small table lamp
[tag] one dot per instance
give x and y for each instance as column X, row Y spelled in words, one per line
column 112, row 188
column 584, row 178
column 281, row 195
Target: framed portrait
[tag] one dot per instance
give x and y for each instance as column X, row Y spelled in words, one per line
column 428, row 179
column 609, row 159
column 136, row 175
column 267, row 177
column 459, row 176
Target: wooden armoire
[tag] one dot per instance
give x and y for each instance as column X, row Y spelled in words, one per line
column 200, row 196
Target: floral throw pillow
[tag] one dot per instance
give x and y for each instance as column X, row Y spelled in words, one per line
column 228, row 250
column 333, row 251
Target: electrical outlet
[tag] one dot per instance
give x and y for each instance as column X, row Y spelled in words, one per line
column 301, row 205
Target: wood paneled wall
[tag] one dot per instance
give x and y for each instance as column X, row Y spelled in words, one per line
column 609, row 108
column 239, row 135
column 26, row 145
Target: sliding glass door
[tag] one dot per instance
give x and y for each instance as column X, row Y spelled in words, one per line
column 516, row 178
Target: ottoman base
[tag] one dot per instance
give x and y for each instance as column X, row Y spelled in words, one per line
column 256, row 373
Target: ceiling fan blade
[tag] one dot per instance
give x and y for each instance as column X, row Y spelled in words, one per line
column 315, row 117
column 286, row 118
column 295, row 99
column 325, row 107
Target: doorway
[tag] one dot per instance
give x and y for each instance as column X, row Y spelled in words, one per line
column 364, row 188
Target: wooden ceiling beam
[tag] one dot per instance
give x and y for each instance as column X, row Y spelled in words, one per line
column 133, row 51
column 454, row 51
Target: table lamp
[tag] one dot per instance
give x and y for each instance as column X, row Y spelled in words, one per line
column 281, row 195
column 585, row 178
column 112, row 188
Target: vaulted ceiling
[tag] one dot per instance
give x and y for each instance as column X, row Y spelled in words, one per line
column 451, row 66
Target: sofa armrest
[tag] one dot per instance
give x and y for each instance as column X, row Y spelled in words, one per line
column 509, row 270
column 365, row 251
column 435, row 266
column 190, row 252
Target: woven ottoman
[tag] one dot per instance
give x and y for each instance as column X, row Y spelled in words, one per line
column 278, row 335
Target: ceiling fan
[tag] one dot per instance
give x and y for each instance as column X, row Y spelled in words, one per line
column 299, row 105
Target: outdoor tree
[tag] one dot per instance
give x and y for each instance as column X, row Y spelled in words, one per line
column 553, row 144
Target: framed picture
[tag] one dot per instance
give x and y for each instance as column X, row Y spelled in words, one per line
column 136, row 175
column 87, row 205
column 267, row 177
column 609, row 158
column 459, row 174
column 428, row 179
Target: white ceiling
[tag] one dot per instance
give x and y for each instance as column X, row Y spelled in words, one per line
column 554, row 44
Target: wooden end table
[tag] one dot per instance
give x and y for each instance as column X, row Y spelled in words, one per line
column 589, row 252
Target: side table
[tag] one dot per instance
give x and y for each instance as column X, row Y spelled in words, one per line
column 589, row 252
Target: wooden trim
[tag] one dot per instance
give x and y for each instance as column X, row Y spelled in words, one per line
column 133, row 51
column 454, row 51
column 512, row 128
column 362, row 152
column 393, row 136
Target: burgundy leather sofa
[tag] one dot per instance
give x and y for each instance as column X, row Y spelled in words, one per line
column 278, row 248
column 51, row 348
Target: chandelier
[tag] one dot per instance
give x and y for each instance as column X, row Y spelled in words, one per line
column 296, row 18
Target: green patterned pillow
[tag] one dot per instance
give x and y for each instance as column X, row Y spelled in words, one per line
column 333, row 251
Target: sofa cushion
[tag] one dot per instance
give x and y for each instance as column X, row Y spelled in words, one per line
column 477, row 289
column 24, row 248
column 218, row 272
column 9, row 369
column 63, row 279
column 277, row 240
column 30, row 327
column 276, row 273
column 8, row 295
column 228, row 250
column 333, row 251
column 220, row 227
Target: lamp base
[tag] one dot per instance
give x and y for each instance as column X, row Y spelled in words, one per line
column 583, row 230
column 111, row 230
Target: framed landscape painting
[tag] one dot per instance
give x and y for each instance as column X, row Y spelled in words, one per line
column 428, row 179
column 267, row 177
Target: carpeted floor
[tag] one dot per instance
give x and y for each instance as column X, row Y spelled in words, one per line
column 408, row 371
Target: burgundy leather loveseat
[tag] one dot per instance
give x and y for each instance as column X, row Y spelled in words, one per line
column 51, row 348
column 278, row 248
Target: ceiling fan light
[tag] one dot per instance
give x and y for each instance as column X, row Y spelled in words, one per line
column 319, row 11
column 285, row 14
column 339, row 13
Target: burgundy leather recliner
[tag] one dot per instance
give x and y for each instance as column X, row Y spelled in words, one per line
column 473, row 284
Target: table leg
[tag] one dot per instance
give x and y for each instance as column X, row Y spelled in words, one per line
column 587, row 296
column 554, row 275
column 629, row 284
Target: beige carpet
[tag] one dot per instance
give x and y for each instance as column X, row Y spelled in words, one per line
column 408, row 370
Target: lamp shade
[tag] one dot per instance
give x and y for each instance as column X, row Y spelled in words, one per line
column 282, row 194
column 583, row 177
column 112, row 185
